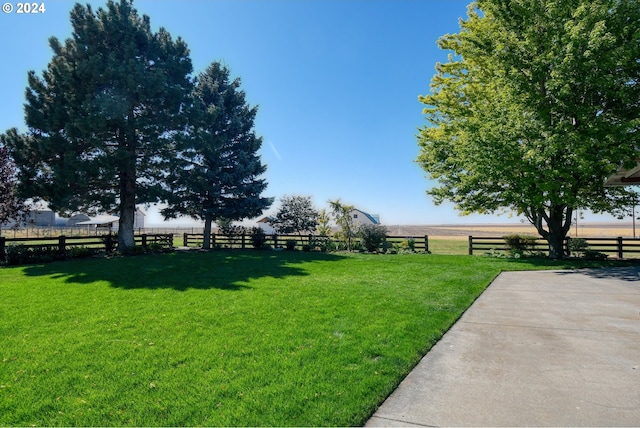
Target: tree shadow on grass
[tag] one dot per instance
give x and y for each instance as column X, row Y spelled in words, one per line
column 227, row 270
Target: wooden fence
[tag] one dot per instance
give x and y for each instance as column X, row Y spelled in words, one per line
column 63, row 243
column 619, row 247
column 308, row 242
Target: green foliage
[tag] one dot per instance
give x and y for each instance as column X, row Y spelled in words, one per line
column 216, row 172
column 372, row 236
column 321, row 243
column 534, row 109
column 12, row 207
column 296, row 214
column 342, row 215
column 103, row 116
column 109, row 242
column 81, row 252
column 595, row 255
column 232, row 231
column 21, row 255
column 577, row 246
column 291, row 244
column 258, row 238
column 519, row 245
column 324, row 220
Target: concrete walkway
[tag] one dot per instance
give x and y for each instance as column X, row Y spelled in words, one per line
column 544, row 348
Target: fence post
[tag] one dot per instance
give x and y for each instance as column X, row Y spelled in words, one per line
column 3, row 242
column 62, row 240
column 243, row 236
column 426, row 244
column 620, row 252
column 470, row 245
column 185, row 239
column 144, row 240
column 212, row 240
column 275, row 240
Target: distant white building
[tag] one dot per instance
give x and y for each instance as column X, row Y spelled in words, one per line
column 105, row 221
column 39, row 217
column 361, row 217
column 264, row 224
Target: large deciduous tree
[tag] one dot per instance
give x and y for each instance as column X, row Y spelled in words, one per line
column 12, row 208
column 538, row 104
column 217, row 172
column 103, row 116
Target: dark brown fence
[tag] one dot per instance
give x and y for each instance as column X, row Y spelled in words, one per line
column 619, row 247
column 63, row 243
column 309, row 242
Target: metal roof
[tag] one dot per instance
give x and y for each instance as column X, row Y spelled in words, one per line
column 625, row 177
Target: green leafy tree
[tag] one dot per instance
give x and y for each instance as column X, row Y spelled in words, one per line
column 103, row 116
column 324, row 223
column 535, row 108
column 12, row 207
column 296, row 214
column 216, row 174
column 342, row 216
column 372, row 236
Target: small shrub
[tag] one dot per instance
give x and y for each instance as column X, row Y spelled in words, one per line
column 321, row 243
column 81, row 252
column 258, row 238
column 595, row 255
column 291, row 244
column 410, row 244
column 234, row 233
column 110, row 242
column 21, row 254
column 577, row 246
column 372, row 236
column 156, row 247
column 495, row 254
column 518, row 245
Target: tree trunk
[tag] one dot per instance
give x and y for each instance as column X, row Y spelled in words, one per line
column 126, row 241
column 558, row 222
column 206, row 242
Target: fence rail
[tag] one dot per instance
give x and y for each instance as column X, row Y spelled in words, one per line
column 63, row 243
column 310, row 242
column 620, row 247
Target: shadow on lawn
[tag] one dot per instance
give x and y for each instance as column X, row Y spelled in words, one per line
column 227, row 270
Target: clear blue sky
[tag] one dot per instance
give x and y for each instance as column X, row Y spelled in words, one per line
column 336, row 81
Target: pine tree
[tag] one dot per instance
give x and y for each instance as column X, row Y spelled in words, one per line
column 103, row 117
column 217, row 174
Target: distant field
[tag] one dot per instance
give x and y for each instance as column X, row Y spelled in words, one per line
column 458, row 232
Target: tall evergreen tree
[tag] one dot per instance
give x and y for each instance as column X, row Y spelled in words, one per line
column 103, row 116
column 217, row 173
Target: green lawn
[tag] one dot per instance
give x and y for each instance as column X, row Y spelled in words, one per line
column 224, row 338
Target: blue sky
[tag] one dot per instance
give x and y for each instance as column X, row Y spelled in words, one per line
column 337, row 84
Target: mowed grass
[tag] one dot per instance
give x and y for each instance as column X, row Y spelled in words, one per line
column 223, row 338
